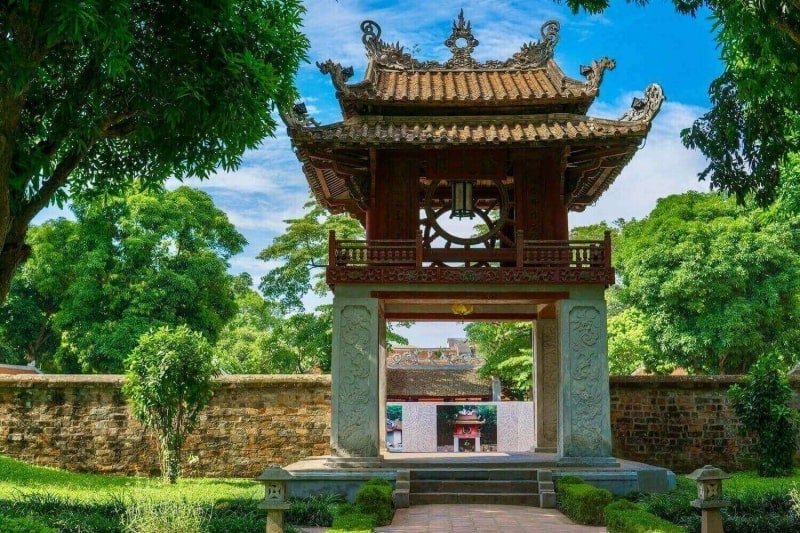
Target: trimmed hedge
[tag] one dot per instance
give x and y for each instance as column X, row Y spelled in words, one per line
column 582, row 502
column 623, row 516
column 375, row 498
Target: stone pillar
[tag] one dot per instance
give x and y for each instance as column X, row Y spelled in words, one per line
column 545, row 382
column 584, row 423
column 355, row 381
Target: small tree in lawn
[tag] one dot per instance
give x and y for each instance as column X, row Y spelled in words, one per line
column 169, row 382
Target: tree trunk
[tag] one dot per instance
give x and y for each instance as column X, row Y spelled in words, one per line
column 14, row 253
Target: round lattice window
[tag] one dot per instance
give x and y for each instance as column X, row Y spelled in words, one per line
column 490, row 206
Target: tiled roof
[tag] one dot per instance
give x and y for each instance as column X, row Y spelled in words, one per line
column 528, row 130
column 18, row 369
column 436, row 383
column 543, row 86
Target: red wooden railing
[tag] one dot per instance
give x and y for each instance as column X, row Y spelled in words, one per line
column 530, row 254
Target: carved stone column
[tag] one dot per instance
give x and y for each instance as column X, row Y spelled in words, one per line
column 584, row 423
column 355, row 385
column 545, row 383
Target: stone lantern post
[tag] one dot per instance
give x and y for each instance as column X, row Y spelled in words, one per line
column 709, row 497
column 275, row 480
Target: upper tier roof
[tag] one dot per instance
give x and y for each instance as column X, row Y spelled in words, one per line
column 530, row 79
column 523, row 102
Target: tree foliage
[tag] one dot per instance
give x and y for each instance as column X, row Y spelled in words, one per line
column 303, row 248
column 97, row 94
column 506, row 346
column 762, row 404
column 717, row 283
column 260, row 339
column 751, row 133
column 169, row 382
column 125, row 266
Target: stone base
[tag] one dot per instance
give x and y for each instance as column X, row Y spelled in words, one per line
column 587, row 461
column 325, row 475
column 353, row 462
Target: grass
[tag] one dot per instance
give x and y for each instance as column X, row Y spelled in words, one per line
column 757, row 504
column 89, row 503
column 20, row 478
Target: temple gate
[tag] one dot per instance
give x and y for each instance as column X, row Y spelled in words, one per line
column 504, row 143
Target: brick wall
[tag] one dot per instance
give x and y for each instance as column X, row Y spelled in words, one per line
column 680, row 422
column 83, row 423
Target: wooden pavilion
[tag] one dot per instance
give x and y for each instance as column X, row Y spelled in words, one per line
column 507, row 144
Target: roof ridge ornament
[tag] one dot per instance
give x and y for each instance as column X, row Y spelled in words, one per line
column 461, row 42
column 533, row 54
column 594, row 73
column 339, row 75
column 645, row 109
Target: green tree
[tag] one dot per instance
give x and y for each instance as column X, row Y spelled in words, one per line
column 169, row 382
column 96, row 94
column 629, row 345
column 750, row 135
column 762, row 403
column 717, row 283
column 260, row 339
column 303, row 249
column 506, row 346
column 126, row 265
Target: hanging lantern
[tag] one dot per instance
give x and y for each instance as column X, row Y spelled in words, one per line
column 461, row 205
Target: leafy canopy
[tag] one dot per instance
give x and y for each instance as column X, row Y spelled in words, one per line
column 303, row 248
column 763, row 404
column 261, row 340
column 718, row 283
column 506, row 346
column 126, row 265
column 95, row 94
column 169, row 382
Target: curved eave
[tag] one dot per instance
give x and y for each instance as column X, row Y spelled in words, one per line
column 599, row 148
column 522, row 131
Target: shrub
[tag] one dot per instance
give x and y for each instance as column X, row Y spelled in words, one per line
column 313, row 510
column 581, row 502
column 569, row 480
column 22, row 525
column 375, row 497
column 349, row 518
column 623, row 516
column 169, row 381
column 762, row 404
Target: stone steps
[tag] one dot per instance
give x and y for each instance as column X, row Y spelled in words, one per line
column 499, row 486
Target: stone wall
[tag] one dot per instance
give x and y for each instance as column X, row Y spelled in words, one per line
column 680, row 422
column 83, row 423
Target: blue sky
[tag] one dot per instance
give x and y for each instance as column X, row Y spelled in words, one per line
column 651, row 44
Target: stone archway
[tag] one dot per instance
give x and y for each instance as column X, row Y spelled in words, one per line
column 570, row 362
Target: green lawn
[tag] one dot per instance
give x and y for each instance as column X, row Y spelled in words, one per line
column 17, row 477
column 88, row 503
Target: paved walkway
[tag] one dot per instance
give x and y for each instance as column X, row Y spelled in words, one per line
column 483, row 518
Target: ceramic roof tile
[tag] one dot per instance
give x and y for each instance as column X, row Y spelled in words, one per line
column 465, row 130
column 436, row 382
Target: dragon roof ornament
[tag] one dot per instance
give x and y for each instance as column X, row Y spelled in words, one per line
column 461, row 43
column 647, row 108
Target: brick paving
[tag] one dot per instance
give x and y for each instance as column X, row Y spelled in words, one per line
column 452, row 518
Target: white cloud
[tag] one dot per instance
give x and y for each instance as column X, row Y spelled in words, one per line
column 662, row 167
